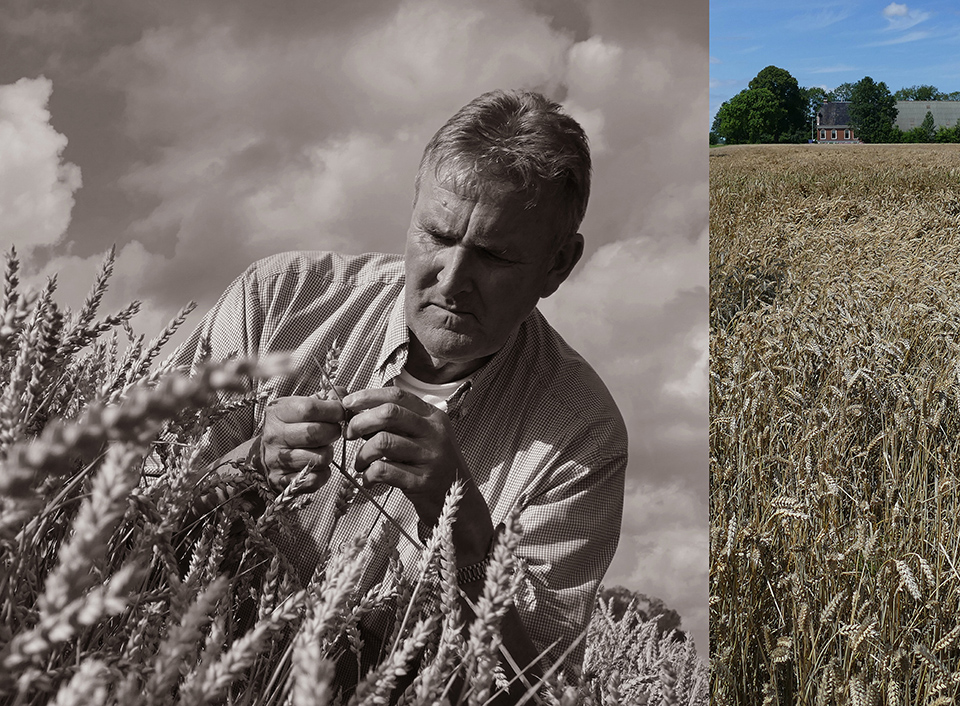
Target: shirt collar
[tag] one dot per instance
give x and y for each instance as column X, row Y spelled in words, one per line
column 396, row 340
column 396, row 346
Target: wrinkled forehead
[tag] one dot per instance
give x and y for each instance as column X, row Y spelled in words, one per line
column 475, row 178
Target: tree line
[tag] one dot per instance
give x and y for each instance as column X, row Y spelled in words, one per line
column 775, row 108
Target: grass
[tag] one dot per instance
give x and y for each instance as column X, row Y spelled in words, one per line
column 128, row 576
column 835, row 424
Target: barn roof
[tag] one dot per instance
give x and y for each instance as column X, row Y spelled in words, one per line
column 910, row 114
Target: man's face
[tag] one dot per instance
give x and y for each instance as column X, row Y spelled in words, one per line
column 477, row 263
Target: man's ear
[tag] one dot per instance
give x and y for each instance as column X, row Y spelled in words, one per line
column 565, row 259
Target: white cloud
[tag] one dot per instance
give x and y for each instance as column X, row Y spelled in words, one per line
column 895, row 10
column 900, row 17
column 36, row 186
column 594, row 66
column 813, row 21
column 902, row 39
column 663, row 537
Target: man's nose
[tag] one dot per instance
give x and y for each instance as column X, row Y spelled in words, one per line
column 455, row 275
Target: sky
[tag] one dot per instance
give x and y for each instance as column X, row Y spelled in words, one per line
column 200, row 135
column 827, row 43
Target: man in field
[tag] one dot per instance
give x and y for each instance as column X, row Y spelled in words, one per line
column 449, row 371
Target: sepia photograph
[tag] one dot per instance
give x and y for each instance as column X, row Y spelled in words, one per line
column 354, row 352
column 834, row 354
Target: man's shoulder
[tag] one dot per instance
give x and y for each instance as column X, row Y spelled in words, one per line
column 329, row 267
column 573, row 386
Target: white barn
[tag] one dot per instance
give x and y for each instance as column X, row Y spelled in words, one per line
column 910, row 114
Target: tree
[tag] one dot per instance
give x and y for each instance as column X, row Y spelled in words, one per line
column 947, row 134
column 814, row 98
column 792, row 124
column 923, row 132
column 619, row 599
column 873, row 110
column 841, row 92
column 750, row 116
column 919, row 93
column 926, row 127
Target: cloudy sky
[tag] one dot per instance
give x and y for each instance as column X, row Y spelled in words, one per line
column 198, row 136
column 828, row 42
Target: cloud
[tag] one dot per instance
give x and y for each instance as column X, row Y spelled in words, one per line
column 715, row 60
column 903, row 39
column 895, row 10
column 900, row 17
column 42, row 25
column 36, row 186
column 813, row 21
column 267, row 148
column 663, row 537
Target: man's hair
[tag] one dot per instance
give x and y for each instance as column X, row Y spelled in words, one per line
column 520, row 138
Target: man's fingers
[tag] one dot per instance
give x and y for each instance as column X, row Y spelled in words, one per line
column 302, row 435
column 289, row 463
column 287, row 460
column 388, row 416
column 391, row 447
column 399, row 475
column 376, row 396
column 291, row 410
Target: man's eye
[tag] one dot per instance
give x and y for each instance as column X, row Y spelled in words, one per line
column 497, row 257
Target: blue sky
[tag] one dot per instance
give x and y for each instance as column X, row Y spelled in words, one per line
column 828, row 43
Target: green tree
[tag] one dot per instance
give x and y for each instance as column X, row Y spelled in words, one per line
column 752, row 115
column 792, row 124
column 926, row 127
column 919, row 93
column 873, row 110
column 814, row 97
column 947, row 134
column 843, row 92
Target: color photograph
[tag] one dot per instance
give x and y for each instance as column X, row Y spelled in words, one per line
column 834, row 387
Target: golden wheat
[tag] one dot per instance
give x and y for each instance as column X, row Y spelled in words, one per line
column 835, row 423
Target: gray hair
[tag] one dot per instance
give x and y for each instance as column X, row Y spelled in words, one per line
column 520, row 138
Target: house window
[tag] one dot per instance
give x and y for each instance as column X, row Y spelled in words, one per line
column 846, row 134
column 823, row 134
column 833, row 134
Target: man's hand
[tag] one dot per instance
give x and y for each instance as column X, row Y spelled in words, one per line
column 297, row 432
column 411, row 446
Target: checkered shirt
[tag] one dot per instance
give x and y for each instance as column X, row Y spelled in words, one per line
column 536, row 425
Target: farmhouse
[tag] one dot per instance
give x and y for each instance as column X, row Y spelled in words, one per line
column 833, row 123
column 833, row 118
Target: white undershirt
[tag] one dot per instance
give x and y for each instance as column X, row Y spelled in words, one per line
column 435, row 394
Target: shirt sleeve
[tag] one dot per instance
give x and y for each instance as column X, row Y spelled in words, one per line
column 231, row 329
column 570, row 534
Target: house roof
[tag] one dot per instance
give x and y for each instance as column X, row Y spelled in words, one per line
column 836, row 114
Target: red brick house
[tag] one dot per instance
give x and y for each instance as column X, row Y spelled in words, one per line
column 833, row 124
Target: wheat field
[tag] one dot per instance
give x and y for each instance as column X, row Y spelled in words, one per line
column 835, row 424
column 130, row 576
